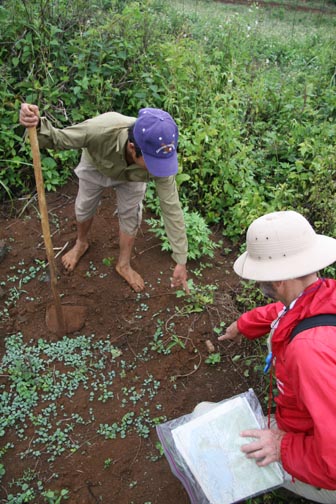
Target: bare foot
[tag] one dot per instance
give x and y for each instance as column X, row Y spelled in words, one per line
column 71, row 258
column 132, row 277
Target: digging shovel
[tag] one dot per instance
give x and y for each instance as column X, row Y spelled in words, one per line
column 59, row 319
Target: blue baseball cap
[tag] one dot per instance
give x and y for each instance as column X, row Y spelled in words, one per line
column 156, row 134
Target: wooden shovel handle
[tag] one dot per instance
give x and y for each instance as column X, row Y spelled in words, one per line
column 45, row 223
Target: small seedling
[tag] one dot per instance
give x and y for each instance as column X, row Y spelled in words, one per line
column 55, row 497
column 108, row 261
column 226, row 251
column 158, row 446
column 213, row 359
column 107, row 463
column 219, row 330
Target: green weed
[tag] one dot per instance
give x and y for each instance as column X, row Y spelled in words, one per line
column 197, row 300
column 198, row 235
column 213, row 359
column 55, row 497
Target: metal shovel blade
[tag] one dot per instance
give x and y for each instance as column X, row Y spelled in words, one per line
column 73, row 318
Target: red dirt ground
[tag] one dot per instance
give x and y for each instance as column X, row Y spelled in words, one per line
column 135, row 473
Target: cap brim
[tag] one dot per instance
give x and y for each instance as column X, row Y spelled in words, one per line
column 310, row 261
column 161, row 167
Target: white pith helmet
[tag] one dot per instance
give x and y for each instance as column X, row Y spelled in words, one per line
column 283, row 245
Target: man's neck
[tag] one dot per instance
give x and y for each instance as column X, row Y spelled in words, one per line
column 293, row 288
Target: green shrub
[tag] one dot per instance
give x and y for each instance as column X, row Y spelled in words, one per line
column 253, row 96
column 198, row 235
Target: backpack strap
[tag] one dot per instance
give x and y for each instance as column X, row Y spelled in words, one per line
column 324, row 319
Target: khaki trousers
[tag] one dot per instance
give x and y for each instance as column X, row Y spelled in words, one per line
column 91, row 185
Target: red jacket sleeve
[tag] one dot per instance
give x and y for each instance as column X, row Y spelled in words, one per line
column 257, row 322
column 311, row 363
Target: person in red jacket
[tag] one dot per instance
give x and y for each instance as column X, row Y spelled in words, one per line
column 284, row 255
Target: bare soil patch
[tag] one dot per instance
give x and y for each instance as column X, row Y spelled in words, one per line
column 125, row 469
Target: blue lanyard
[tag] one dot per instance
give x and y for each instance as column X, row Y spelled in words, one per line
column 274, row 325
column 268, row 362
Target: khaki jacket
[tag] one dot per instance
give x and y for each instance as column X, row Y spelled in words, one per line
column 104, row 138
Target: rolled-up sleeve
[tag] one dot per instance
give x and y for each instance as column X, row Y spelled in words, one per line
column 172, row 217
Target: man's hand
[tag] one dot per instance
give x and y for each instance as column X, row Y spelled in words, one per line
column 29, row 115
column 232, row 333
column 266, row 448
column 180, row 277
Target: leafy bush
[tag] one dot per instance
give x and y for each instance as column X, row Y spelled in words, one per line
column 198, row 235
column 252, row 94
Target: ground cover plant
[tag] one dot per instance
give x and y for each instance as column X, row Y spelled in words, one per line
column 253, row 92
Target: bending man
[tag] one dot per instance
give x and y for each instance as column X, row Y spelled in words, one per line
column 121, row 152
